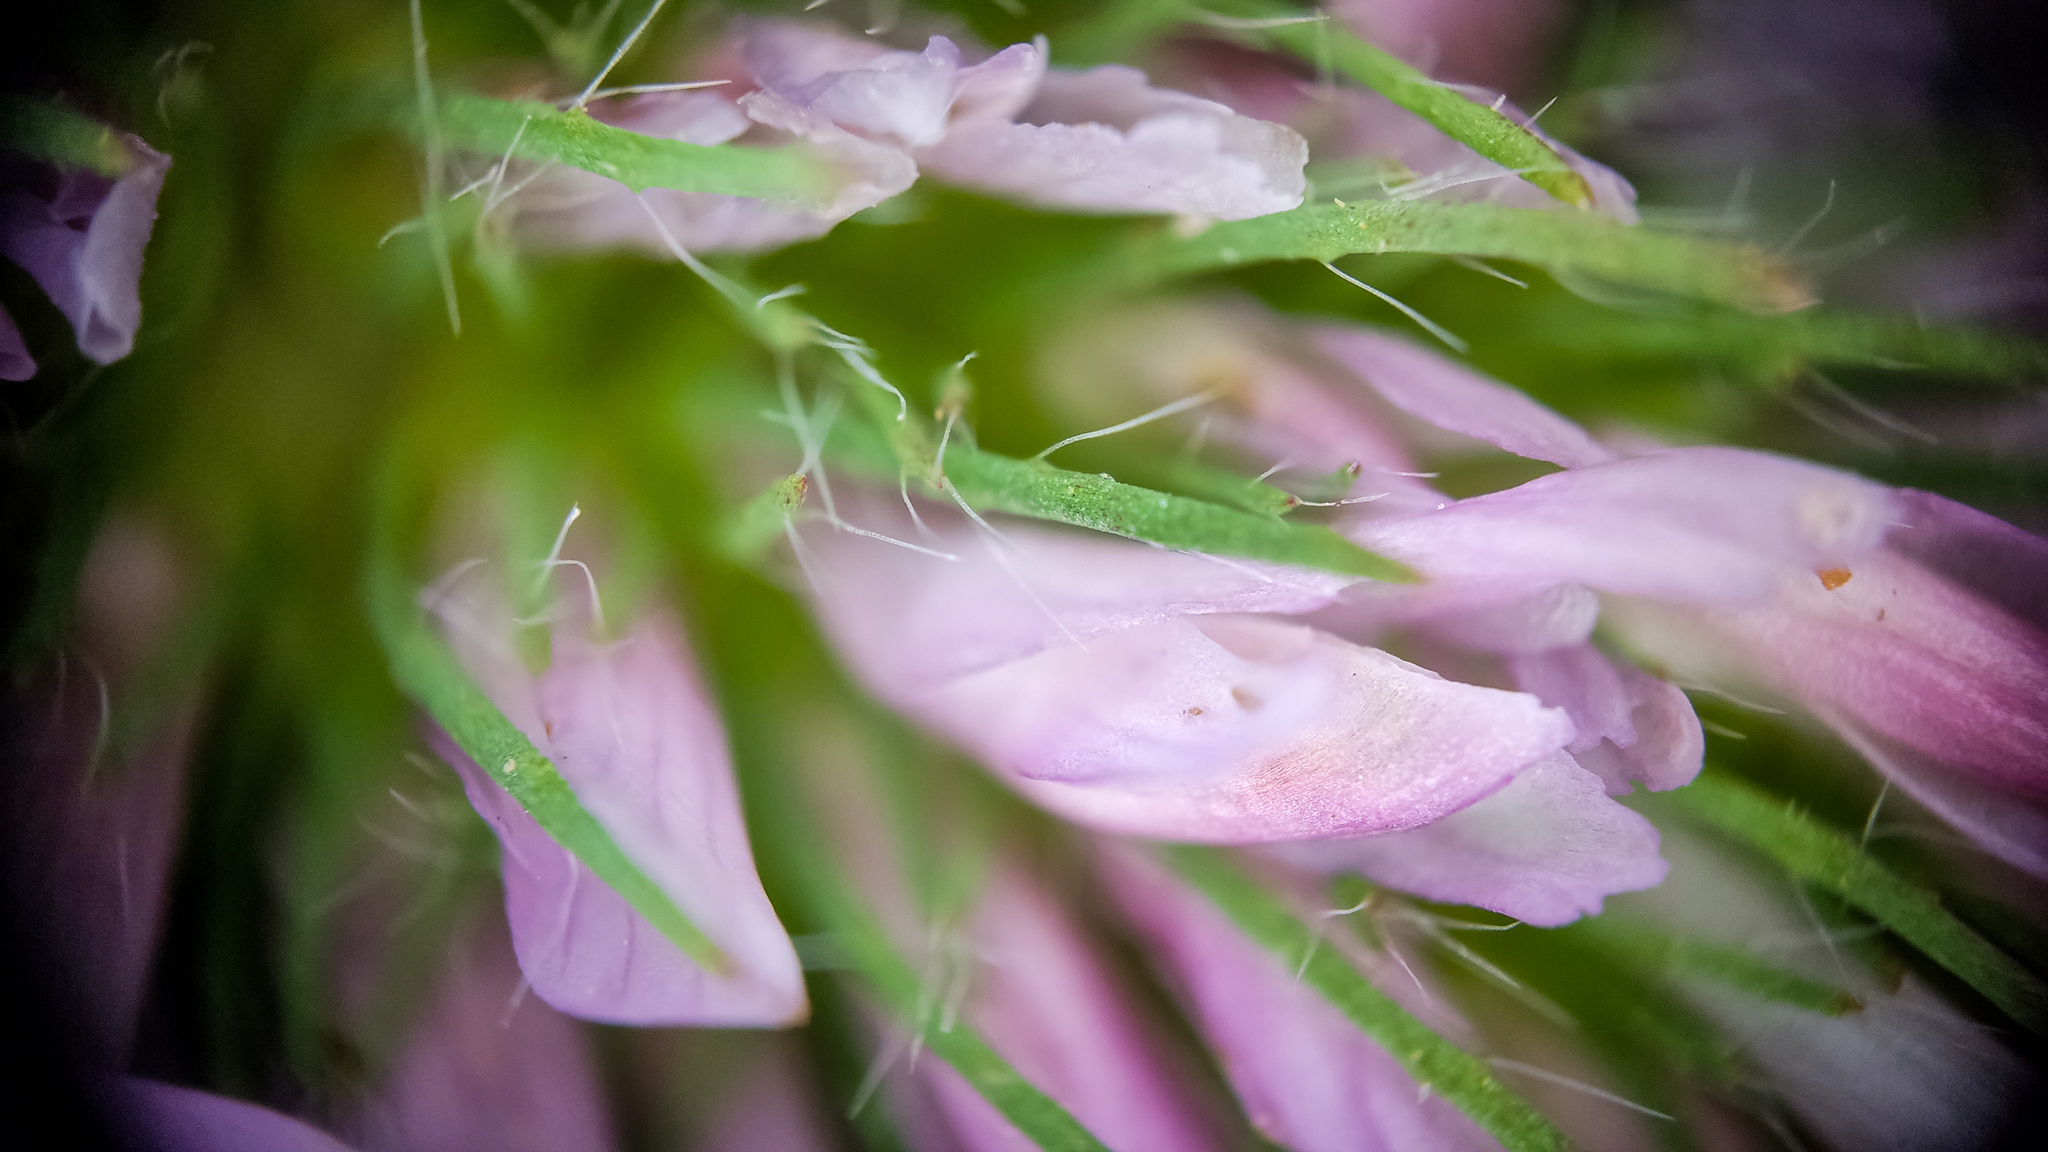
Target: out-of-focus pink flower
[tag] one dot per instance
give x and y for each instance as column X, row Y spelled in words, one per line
column 1040, row 997
column 1158, row 694
column 165, row 1118
column 627, row 725
column 1105, row 140
column 488, row 1068
column 80, row 233
column 1101, row 141
column 1307, row 1077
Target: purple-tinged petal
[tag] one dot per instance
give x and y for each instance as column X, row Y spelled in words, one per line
column 902, row 97
column 1710, row 525
column 628, row 727
column 1107, row 141
column 2005, row 565
column 164, row 1118
column 1041, row 999
column 1546, row 849
column 488, row 1068
column 1905, row 654
column 2016, row 833
column 84, row 245
column 1632, row 726
column 1307, row 1077
column 1457, row 399
column 15, row 362
column 1582, row 682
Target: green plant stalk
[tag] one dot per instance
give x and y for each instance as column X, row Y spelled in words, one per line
column 429, row 673
column 1831, row 860
column 1737, row 274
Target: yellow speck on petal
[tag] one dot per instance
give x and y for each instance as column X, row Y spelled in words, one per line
column 1833, row 578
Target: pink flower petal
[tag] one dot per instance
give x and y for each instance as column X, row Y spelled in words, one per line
column 164, row 1118
column 1106, row 141
column 628, row 727
column 1710, row 525
column 1307, row 1077
column 84, row 245
column 1546, row 849
column 2015, row 832
column 1457, row 399
column 1119, row 686
column 1632, row 726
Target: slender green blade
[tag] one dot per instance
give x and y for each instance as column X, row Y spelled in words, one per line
column 1035, row 488
column 1440, row 1066
column 531, row 130
column 1737, row 274
column 1479, row 127
column 1831, row 860
column 428, row 672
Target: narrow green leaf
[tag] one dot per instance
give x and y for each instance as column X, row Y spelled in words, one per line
column 531, row 130
column 1822, row 856
column 1035, row 488
column 429, row 673
column 1434, row 1062
column 1486, row 131
column 1737, row 274
column 1654, row 950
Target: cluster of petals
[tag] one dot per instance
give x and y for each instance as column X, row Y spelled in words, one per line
column 80, row 233
column 1185, row 697
column 1103, row 140
column 627, row 725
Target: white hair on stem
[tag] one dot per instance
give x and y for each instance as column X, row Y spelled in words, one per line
column 1159, row 413
column 618, row 53
column 1428, row 325
column 1562, row 1081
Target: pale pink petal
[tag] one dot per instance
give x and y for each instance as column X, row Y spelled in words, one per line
column 1305, row 1074
column 1120, row 686
column 164, row 1118
column 628, row 727
column 901, row 97
column 1555, row 617
column 488, row 1068
column 1632, row 726
column 15, row 361
column 1106, row 141
column 911, row 618
column 1042, row 1000
column 83, row 244
column 1457, row 399
column 1546, row 849
column 1237, row 729
column 1710, row 525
